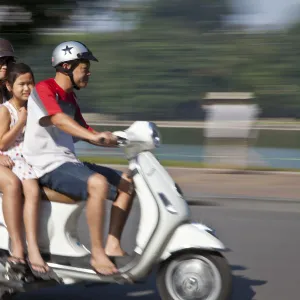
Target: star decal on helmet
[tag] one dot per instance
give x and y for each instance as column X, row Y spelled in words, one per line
column 67, row 49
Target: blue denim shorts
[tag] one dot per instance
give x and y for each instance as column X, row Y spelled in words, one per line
column 71, row 179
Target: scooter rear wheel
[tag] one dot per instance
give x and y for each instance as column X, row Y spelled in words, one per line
column 195, row 276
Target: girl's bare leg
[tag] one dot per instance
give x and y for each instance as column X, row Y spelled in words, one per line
column 12, row 205
column 31, row 214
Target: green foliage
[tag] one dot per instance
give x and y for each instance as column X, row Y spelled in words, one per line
column 179, row 51
column 203, row 14
column 25, row 17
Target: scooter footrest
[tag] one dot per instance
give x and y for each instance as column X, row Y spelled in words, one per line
column 12, row 284
column 84, row 262
column 20, row 286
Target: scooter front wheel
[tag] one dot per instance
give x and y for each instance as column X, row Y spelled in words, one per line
column 195, row 276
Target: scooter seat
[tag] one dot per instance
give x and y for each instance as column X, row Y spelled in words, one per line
column 53, row 196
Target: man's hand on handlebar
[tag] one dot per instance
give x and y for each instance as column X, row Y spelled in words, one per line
column 106, row 139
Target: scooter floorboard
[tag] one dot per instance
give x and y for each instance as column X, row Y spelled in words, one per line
column 84, row 261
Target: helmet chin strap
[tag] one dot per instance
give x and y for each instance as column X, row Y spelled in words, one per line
column 75, row 86
column 69, row 72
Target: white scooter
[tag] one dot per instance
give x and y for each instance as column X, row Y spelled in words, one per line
column 186, row 255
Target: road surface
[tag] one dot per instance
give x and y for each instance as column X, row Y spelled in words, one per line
column 264, row 254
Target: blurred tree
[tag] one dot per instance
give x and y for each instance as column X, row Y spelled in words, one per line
column 20, row 19
column 180, row 50
column 203, row 14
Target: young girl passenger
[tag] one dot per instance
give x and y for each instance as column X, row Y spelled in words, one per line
column 13, row 115
column 10, row 185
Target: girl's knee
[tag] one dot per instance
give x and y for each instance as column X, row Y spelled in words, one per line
column 11, row 183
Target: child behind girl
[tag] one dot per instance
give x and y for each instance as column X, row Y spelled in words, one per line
column 13, row 116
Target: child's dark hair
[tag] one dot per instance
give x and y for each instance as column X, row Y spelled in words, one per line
column 15, row 70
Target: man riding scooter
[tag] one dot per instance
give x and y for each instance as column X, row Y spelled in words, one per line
column 54, row 119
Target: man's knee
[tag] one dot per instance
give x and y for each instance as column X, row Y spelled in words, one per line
column 126, row 184
column 97, row 183
column 126, row 176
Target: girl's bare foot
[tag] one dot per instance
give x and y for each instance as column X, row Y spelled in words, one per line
column 37, row 263
column 17, row 252
column 16, row 260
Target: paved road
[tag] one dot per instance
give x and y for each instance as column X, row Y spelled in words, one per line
column 257, row 215
column 264, row 257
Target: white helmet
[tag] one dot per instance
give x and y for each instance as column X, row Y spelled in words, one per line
column 71, row 50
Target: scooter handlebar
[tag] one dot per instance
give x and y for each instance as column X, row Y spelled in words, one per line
column 121, row 137
column 120, row 141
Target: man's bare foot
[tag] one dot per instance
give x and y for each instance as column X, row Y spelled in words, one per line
column 113, row 247
column 103, row 265
column 110, row 251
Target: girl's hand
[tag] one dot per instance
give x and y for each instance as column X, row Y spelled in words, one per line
column 6, row 161
column 22, row 115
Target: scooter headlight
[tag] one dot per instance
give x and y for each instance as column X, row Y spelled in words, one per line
column 155, row 134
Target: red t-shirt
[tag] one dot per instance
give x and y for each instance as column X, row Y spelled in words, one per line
column 46, row 148
column 56, row 100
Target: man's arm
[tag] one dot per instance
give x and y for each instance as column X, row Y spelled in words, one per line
column 110, row 139
column 68, row 125
column 50, row 113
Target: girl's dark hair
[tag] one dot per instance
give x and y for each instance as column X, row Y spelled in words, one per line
column 15, row 70
column 4, row 93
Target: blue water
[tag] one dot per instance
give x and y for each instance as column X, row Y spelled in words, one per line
column 257, row 156
column 280, row 158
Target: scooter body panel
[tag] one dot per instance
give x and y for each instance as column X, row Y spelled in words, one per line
column 160, row 202
column 57, row 229
column 192, row 236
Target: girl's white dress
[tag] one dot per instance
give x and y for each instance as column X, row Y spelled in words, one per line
column 21, row 168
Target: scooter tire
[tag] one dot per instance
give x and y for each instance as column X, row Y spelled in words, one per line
column 215, row 258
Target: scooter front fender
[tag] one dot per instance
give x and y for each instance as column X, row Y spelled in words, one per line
column 192, row 235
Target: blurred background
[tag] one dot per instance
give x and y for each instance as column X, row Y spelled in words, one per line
column 194, row 67
column 221, row 79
